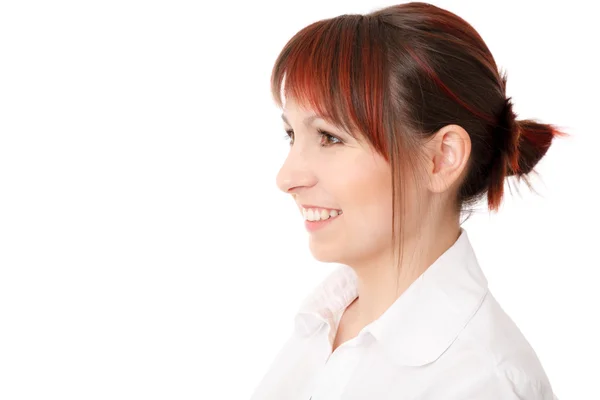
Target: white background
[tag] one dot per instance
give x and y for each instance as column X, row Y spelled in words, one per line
column 145, row 251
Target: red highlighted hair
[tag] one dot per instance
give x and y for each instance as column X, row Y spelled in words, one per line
column 398, row 75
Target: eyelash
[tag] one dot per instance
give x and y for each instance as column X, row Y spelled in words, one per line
column 322, row 133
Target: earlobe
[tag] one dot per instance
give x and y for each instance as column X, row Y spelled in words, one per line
column 450, row 149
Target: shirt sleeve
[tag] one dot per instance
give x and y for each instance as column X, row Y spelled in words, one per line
column 499, row 385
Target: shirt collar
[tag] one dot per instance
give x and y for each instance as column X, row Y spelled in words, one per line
column 424, row 321
column 327, row 300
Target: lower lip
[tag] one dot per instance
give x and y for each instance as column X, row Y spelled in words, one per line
column 312, row 226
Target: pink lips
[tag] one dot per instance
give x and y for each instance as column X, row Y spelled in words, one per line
column 307, row 206
column 313, row 226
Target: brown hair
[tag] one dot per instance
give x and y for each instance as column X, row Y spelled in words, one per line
column 401, row 73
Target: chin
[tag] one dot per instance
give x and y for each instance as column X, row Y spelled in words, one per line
column 327, row 253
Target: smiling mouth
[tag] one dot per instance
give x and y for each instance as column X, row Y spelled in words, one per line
column 319, row 214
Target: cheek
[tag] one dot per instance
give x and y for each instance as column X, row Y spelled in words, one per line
column 373, row 221
column 367, row 194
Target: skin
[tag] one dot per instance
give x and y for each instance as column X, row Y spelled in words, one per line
column 341, row 172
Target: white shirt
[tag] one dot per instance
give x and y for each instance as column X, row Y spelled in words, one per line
column 444, row 338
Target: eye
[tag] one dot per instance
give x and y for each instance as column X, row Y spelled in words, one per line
column 327, row 139
column 289, row 135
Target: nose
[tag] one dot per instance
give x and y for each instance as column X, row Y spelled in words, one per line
column 295, row 172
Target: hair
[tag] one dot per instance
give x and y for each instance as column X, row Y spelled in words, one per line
column 399, row 74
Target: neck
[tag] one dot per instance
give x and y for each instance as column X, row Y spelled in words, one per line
column 381, row 281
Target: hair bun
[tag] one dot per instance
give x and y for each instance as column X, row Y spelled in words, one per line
column 518, row 146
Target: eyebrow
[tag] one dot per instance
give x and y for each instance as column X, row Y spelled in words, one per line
column 307, row 121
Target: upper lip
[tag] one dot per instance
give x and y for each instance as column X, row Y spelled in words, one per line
column 307, row 206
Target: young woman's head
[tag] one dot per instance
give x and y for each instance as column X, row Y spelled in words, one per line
column 398, row 121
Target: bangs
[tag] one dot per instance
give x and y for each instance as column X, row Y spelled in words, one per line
column 337, row 68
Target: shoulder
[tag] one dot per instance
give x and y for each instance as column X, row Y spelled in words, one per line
column 493, row 359
column 493, row 332
column 495, row 383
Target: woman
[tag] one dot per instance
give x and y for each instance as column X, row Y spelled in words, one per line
column 398, row 121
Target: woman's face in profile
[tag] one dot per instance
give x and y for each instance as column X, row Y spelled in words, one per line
column 341, row 182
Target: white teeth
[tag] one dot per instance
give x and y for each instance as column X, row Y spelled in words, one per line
column 312, row 214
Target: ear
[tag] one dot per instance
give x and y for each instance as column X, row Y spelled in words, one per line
column 447, row 154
